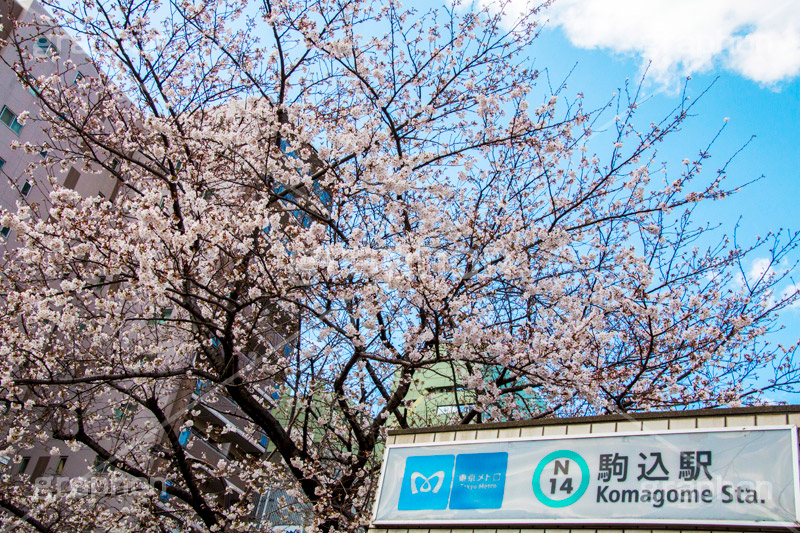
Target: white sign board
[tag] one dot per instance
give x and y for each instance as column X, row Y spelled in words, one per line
column 743, row 476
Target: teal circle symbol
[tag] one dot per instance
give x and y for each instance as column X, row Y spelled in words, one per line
column 537, row 474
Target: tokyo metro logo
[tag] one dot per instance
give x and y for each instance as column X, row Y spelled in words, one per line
column 463, row 481
column 426, row 482
column 426, row 486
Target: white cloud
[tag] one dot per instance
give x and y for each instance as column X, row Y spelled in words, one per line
column 758, row 39
column 790, row 291
column 761, row 268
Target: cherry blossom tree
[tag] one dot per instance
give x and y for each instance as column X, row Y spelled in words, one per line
column 320, row 199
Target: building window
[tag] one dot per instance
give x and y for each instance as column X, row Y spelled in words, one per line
column 183, row 438
column 9, row 118
column 125, row 411
column 23, row 465
column 46, row 47
column 452, row 409
column 101, row 466
column 26, row 188
column 32, row 85
column 4, row 231
column 166, row 313
column 78, row 78
column 72, row 179
column 62, row 462
column 164, row 495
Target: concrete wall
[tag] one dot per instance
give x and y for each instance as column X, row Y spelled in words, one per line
column 680, row 420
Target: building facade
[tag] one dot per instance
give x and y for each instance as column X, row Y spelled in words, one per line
column 214, row 428
column 25, row 179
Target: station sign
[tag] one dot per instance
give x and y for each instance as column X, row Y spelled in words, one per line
column 734, row 477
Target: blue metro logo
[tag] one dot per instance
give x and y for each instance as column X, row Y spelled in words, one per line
column 426, row 482
column 429, row 482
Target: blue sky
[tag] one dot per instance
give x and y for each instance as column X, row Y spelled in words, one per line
column 751, row 49
column 767, row 109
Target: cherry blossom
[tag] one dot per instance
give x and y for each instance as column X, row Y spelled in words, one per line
column 320, row 201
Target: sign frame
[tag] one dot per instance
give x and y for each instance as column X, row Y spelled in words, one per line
column 598, row 521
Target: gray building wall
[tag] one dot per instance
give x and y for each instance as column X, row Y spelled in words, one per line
column 16, row 97
column 39, row 464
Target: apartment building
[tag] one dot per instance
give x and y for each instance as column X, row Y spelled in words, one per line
column 219, row 430
column 20, row 184
column 25, row 177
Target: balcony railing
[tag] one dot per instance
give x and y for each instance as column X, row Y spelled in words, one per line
column 219, row 410
column 210, row 453
column 201, row 448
